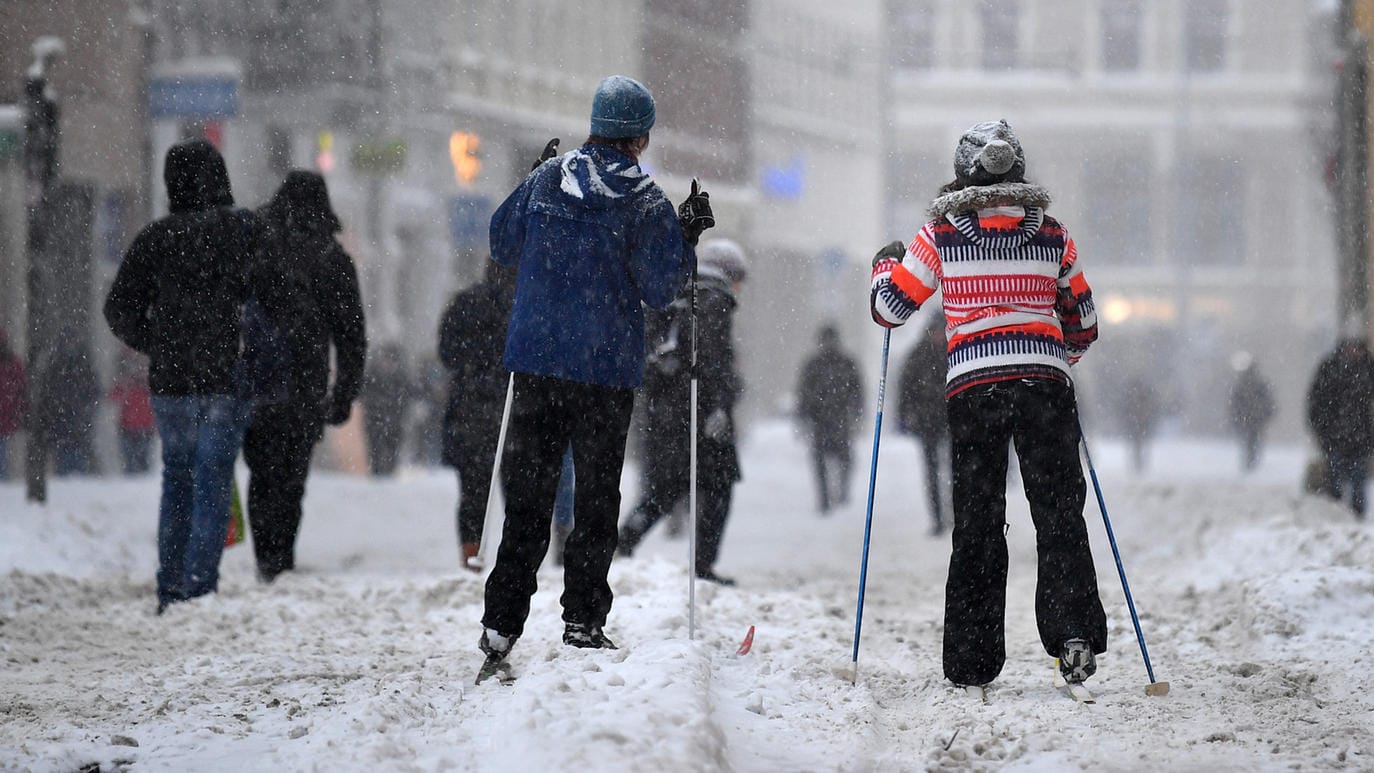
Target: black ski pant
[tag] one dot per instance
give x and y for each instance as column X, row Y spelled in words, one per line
column 474, row 453
column 277, row 448
column 666, row 488
column 546, row 415
column 1040, row 417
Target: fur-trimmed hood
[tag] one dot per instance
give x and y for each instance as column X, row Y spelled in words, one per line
column 975, row 197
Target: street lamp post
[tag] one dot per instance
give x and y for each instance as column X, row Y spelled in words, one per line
column 42, row 140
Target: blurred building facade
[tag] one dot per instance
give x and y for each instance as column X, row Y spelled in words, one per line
column 424, row 114
column 1183, row 142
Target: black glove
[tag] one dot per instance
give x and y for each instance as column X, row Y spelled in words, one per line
column 550, row 150
column 694, row 214
column 337, row 411
column 890, row 251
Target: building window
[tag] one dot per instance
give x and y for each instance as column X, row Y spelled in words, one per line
column 1001, row 23
column 1119, row 234
column 1204, row 35
column 913, row 35
column 1121, row 22
column 1211, row 212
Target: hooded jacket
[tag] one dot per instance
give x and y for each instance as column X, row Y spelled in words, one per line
column 591, row 237
column 179, row 290
column 1016, row 302
column 316, row 300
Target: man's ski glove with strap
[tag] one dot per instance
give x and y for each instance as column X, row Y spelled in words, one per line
column 694, row 214
column 550, row 150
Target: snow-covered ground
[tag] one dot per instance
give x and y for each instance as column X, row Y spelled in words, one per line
column 1256, row 603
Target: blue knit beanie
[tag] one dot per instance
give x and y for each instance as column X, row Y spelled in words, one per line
column 622, row 107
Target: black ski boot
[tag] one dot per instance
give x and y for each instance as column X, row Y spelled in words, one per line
column 586, row 637
column 1076, row 661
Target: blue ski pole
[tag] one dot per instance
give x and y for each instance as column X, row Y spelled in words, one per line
column 1154, row 688
column 868, row 522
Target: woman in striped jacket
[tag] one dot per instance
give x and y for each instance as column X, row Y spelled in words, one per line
column 1018, row 312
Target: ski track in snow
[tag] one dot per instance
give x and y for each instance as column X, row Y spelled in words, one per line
column 1255, row 602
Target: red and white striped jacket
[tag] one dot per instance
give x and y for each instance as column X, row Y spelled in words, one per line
column 1016, row 303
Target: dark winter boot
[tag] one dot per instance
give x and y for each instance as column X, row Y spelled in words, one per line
column 586, row 637
column 1076, row 661
column 710, row 576
column 494, row 645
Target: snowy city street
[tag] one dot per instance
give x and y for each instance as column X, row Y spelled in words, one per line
column 1256, row 603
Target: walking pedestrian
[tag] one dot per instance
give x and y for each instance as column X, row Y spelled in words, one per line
column 135, row 424
column 13, row 399
column 721, row 271
column 177, row 297
column 1251, row 408
column 921, row 412
column 1019, row 312
column 472, row 337
column 830, row 406
column 1340, row 411
column 592, row 238
column 319, row 308
column 388, row 391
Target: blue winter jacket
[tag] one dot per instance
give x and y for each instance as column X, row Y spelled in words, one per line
column 592, row 236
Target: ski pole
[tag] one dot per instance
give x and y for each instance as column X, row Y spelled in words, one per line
column 868, row 521
column 692, row 483
column 482, row 552
column 1154, row 688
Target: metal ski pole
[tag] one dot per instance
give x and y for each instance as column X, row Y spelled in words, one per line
column 692, row 483
column 482, row 552
column 868, row 522
column 1154, row 688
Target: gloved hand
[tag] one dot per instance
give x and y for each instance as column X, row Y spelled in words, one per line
column 694, row 214
column 337, row 411
column 890, row 251
column 717, row 424
column 550, row 150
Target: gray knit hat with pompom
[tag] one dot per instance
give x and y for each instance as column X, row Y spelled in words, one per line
column 989, row 153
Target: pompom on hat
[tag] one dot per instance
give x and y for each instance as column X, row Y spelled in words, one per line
column 622, row 108
column 989, row 153
column 725, row 256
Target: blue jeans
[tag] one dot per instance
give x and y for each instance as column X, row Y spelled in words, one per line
column 200, row 441
column 1347, row 474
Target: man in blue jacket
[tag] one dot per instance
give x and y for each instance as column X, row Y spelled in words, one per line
column 591, row 237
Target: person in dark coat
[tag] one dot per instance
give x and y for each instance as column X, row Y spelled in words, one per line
column 592, row 238
column 319, row 308
column 1251, row 408
column 1139, row 410
column 388, row 391
column 1340, row 411
column 14, row 402
column 830, row 405
column 667, row 389
column 472, row 336
column 921, row 412
column 177, row 297
column 73, row 397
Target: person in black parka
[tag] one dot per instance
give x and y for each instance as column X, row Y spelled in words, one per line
column 830, row 405
column 317, row 306
column 922, row 412
column 178, row 297
column 667, row 389
column 472, row 338
column 1340, row 411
